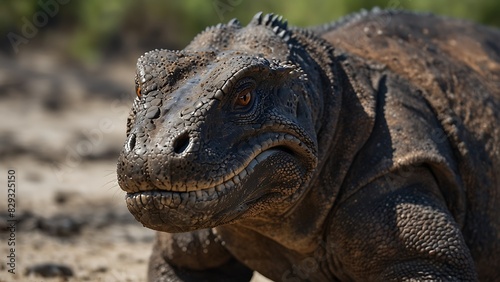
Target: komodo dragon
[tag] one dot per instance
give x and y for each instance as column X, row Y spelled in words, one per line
column 363, row 150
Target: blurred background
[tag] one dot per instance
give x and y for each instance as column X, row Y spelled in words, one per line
column 66, row 85
column 92, row 31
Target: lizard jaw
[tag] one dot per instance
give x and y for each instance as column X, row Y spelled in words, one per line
column 173, row 211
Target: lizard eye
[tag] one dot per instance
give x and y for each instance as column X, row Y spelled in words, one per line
column 245, row 92
column 244, row 97
column 137, row 90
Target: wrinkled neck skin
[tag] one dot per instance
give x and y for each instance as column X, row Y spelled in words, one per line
column 300, row 228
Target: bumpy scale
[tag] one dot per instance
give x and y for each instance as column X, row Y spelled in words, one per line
column 363, row 150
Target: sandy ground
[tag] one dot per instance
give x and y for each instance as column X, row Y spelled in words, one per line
column 61, row 131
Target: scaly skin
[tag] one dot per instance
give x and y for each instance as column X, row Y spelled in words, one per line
column 264, row 148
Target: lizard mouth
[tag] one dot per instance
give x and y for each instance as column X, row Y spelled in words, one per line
column 259, row 182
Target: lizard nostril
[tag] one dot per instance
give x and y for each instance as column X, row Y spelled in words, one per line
column 130, row 143
column 181, row 143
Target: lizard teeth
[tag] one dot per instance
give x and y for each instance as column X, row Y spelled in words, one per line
column 145, row 199
column 211, row 192
column 137, row 203
column 220, row 187
column 175, row 197
column 199, row 193
column 252, row 165
column 243, row 174
column 236, row 179
column 166, row 200
column 264, row 155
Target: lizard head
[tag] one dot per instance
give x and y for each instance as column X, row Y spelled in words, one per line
column 221, row 131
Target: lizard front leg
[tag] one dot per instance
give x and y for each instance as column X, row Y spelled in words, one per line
column 194, row 256
column 403, row 233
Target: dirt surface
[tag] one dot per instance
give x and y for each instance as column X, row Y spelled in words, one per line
column 61, row 131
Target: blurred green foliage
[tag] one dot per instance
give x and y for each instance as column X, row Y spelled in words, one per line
column 96, row 28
